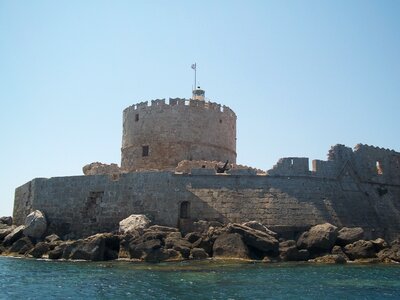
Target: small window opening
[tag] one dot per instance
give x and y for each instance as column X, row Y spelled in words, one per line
column 379, row 169
column 291, row 162
column 203, row 166
column 220, row 120
column 145, row 150
column 136, row 117
column 184, row 211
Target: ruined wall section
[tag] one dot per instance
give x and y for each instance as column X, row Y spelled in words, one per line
column 181, row 130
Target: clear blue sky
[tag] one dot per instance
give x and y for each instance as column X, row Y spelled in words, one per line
column 300, row 75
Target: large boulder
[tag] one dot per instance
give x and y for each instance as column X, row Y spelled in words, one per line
column 21, row 246
column 176, row 242
column 230, row 245
column 360, row 249
column 134, row 224
column 348, row 235
column 35, row 225
column 258, row 226
column 98, row 168
column 39, row 250
column 140, row 249
column 6, row 231
column 390, row 254
column 14, row 235
column 259, row 240
column 6, row 220
column 319, row 238
column 198, row 253
column 93, row 248
column 288, row 252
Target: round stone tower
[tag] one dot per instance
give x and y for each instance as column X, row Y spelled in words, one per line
column 159, row 135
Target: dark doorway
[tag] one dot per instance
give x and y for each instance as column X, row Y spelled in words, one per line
column 184, row 212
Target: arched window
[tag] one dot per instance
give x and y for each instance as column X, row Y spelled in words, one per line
column 184, row 212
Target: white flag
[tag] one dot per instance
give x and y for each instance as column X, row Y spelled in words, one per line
column 194, row 66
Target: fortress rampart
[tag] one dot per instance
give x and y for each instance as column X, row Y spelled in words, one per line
column 349, row 189
column 159, row 135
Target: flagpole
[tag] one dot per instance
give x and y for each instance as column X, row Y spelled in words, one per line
column 195, row 73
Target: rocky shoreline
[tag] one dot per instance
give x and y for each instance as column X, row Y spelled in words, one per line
column 138, row 240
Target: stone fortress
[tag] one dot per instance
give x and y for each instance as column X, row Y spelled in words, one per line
column 171, row 171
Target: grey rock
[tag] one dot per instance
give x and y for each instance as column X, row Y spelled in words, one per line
column 161, row 228
column 134, row 224
column 14, row 235
column 360, row 249
column 349, row 235
column 256, row 239
column 6, row 220
column 319, row 238
column 390, row 254
column 198, row 253
column 230, row 245
column 39, row 250
column 52, row 238
column 288, row 251
column 21, row 246
column 258, row 226
column 379, row 244
column 35, row 225
column 6, row 231
column 193, row 237
column 331, row 259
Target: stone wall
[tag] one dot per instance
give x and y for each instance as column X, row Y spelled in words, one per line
column 350, row 195
column 181, row 130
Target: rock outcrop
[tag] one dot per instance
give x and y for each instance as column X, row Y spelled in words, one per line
column 35, row 225
column 348, row 235
column 134, row 224
column 320, row 238
column 230, row 245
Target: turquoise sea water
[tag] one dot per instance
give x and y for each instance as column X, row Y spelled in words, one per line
column 38, row 279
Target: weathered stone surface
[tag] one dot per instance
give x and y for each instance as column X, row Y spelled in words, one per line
column 193, row 237
column 6, row 231
column 260, row 227
column 175, row 241
column 161, row 228
column 230, row 245
column 98, row 247
column 288, row 252
column 35, row 224
column 133, row 224
column 98, row 168
column 21, row 246
column 319, row 238
column 58, row 251
column 390, row 254
column 139, row 250
column 160, row 254
column 331, row 259
column 39, row 250
column 337, row 250
column 256, row 239
column 52, row 238
column 6, row 220
column 360, row 249
column 348, row 235
column 379, row 244
column 198, row 253
column 14, row 235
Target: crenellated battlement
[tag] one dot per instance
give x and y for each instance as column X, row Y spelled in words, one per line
column 178, row 103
